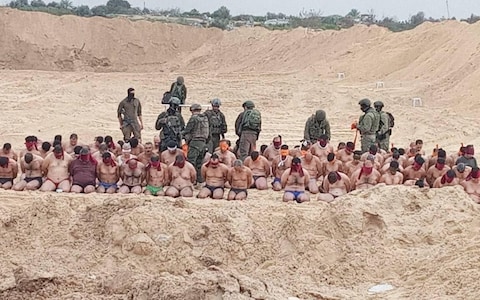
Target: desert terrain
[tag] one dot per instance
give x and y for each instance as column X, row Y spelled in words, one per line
column 67, row 74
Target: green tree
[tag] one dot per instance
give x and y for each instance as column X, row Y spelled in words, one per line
column 82, row 10
column 118, row 6
column 53, row 4
column 354, row 14
column 100, row 10
column 18, row 3
column 417, row 19
column 66, row 4
column 37, row 3
column 222, row 13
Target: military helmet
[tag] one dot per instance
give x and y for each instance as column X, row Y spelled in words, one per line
column 175, row 100
column 195, row 107
column 216, row 102
column 248, row 104
column 365, row 102
column 378, row 103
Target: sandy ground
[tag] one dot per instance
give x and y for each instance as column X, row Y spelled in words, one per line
column 67, row 74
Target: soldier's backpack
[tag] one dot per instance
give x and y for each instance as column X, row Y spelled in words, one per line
column 202, row 130
column 391, row 120
column 252, row 119
column 215, row 123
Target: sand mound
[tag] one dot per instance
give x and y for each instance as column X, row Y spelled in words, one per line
column 71, row 247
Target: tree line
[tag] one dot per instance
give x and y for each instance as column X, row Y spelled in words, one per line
column 221, row 18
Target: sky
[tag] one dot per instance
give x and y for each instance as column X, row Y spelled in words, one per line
column 402, row 9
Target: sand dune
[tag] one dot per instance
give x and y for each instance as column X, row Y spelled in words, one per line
column 67, row 74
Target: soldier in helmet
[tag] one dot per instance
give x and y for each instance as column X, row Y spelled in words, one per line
column 197, row 134
column 248, row 126
column 218, row 125
column 316, row 126
column 367, row 124
column 171, row 124
column 179, row 90
column 384, row 131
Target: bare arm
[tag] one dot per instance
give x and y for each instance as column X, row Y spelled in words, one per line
column 283, row 180
column 266, row 167
column 306, row 177
column 14, row 168
column 193, row 174
column 203, row 170
column 45, row 165
column 249, row 178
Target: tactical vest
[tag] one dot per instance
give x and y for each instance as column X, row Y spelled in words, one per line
column 216, row 123
column 178, row 91
column 173, row 127
column 201, row 130
column 315, row 129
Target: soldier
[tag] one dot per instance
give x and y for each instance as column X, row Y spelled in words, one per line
column 171, row 124
column 218, row 125
column 384, row 130
column 179, row 90
column 248, row 126
column 131, row 122
column 197, row 133
column 367, row 124
column 316, row 126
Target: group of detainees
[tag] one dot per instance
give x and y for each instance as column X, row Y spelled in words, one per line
column 105, row 166
column 191, row 155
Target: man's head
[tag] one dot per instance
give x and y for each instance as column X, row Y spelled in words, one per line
column 172, row 147
column 248, row 104
column 148, row 148
column 364, row 104
column 7, row 147
column 126, row 148
column 296, row 164
column 475, row 173
column 76, row 150
column 284, row 151
column 461, row 167
column 223, row 146
column 320, row 115
column 58, row 151
column 98, row 140
column 107, row 157
column 401, row 151
column 277, row 142
column 156, row 141
column 469, row 151
column 28, row 157
column 195, row 108
column 131, row 93
column 102, row 148
column 378, row 105
column 214, row 161
column 330, row 157
column 4, row 161
column 448, row 177
column 179, row 161
column 180, row 80
column 323, row 140
column 108, row 140
column 333, row 177
column 418, row 144
column 216, row 104
column 373, row 149
column 134, row 142
column 174, row 103
column 132, row 164
column 30, row 143
column 254, row 155
column 73, row 139
column 418, row 162
column 440, row 163
column 396, row 155
column 393, row 167
column 307, row 154
column 155, row 161
column 238, row 164
column 357, row 155
column 85, row 153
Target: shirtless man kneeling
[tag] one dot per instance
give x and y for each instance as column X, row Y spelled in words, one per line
column 84, row 173
column 447, row 179
column 156, row 175
column 366, row 176
column 108, row 174
column 132, row 173
column 314, row 167
column 31, row 166
column 280, row 163
column 55, row 168
column 471, row 185
column 8, row 172
column 336, row 184
column 392, row 176
column 168, row 156
column 240, row 179
column 225, row 156
column 260, row 168
column 294, row 180
column 215, row 175
column 182, row 175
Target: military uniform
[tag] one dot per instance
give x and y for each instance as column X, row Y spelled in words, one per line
column 218, row 126
column 171, row 124
column 368, row 125
column 196, row 135
column 248, row 136
column 383, row 133
column 131, row 109
column 316, row 126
